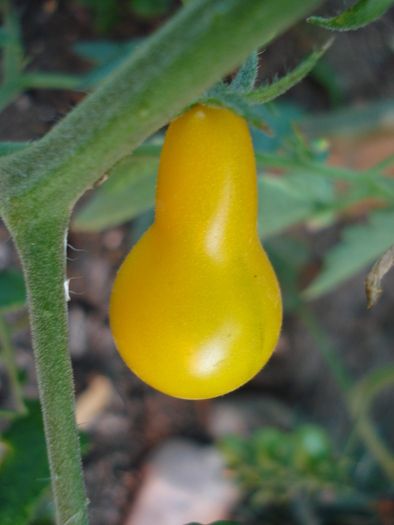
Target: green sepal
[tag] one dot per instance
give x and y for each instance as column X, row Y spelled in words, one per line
column 222, row 97
column 270, row 92
column 246, row 76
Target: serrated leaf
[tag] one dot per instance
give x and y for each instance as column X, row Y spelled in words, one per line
column 267, row 93
column 12, row 290
column 361, row 245
column 359, row 15
column 224, row 98
column 129, row 191
column 288, row 200
column 246, row 76
column 24, row 472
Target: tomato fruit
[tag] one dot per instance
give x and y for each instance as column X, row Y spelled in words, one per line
column 196, row 308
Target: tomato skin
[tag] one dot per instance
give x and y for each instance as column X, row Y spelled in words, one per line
column 196, row 308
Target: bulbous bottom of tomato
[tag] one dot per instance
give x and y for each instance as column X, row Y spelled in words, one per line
column 190, row 328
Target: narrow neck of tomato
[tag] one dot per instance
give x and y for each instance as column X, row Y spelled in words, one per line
column 206, row 190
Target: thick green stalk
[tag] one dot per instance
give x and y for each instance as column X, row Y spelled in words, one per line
column 206, row 40
column 39, row 185
column 43, row 257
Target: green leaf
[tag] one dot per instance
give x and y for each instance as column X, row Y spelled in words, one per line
column 246, row 76
column 99, row 51
column 359, row 15
column 129, row 191
column 12, row 291
column 50, row 81
column 267, row 93
column 5, row 38
column 330, row 80
column 361, row 245
column 279, row 118
column 108, row 56
column 7, row 148
column 351, row 122
column 24, row 472
column 109, row 62
column 288, row 200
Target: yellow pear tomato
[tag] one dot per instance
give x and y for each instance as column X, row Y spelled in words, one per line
column 196, row 308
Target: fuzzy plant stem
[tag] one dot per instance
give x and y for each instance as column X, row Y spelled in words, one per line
column 40, row 184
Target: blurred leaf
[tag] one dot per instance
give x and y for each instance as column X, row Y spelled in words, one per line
column 279, row 118
column 360, row 246
column 24, row 473
column 359, row 15
column 375, row 116
column 288, row 200
column 150, row 8
column 246, row 76
column 288, row 257
column 267, row 93
column 107, row 13
column 129, row 191
column 43, row 80
column 366, row 183
column 112, row 56
column 5, row 38
column 12, row 291
column 273, row 465
column 44, row 513
column 7, row 148
column 104, row 51
column 313, row 445
column 9, row 92
column 367, row 388
column 330, row 80
column 98, row 51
